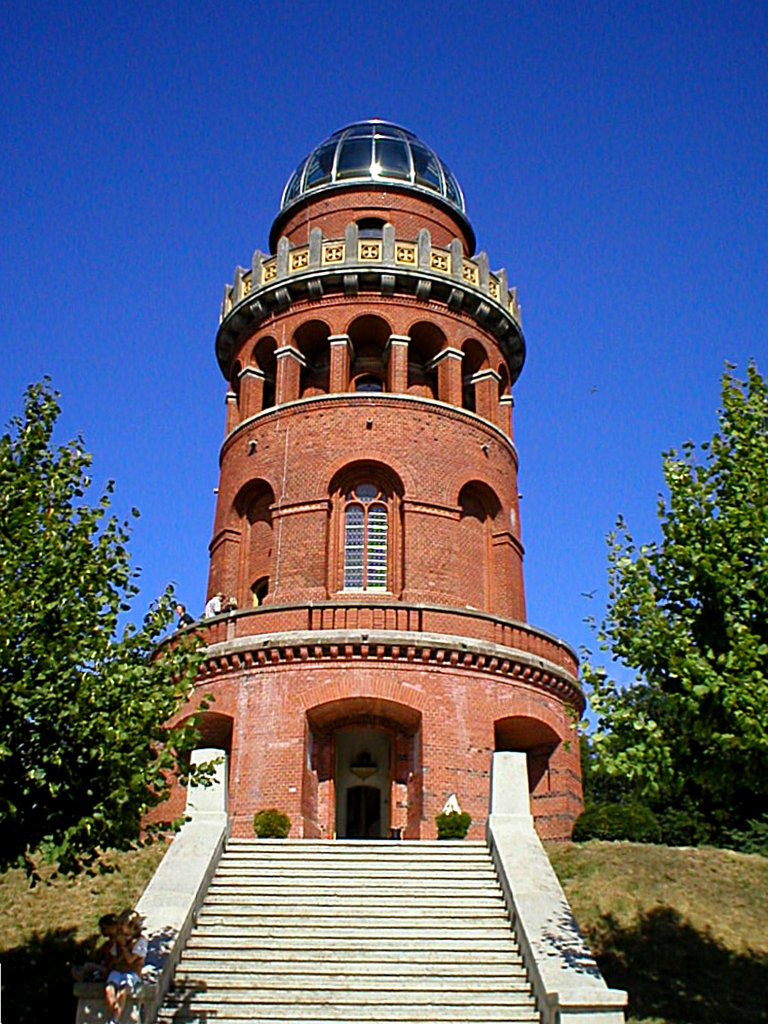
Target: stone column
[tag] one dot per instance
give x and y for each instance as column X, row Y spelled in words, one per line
column 251, row 391
column 341, row 361
column 396, row 355
column 233, row 413
column 448, row 365
column 506, row 418
column 486, row 385
column 289, row 364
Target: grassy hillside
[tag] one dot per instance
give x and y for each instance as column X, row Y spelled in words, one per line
column 685, row 931
column 43, row 931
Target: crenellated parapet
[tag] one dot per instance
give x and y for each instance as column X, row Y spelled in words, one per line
column 388, row 266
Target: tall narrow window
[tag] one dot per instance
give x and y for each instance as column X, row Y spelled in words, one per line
column 365, row 538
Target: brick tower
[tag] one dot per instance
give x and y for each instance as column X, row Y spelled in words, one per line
column 367, row 524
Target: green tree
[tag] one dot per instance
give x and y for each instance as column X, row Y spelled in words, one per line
column 84, row 749
column 689, row 614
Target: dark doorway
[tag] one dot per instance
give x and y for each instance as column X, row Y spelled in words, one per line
column 363, row 812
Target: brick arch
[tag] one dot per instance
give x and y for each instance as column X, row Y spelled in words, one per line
column 251, row 514
column 369, row 335
column 533, row 736
column 333, row 709
column 479, row 511
column 351, row 471
column 368, row 560
column 426, row 341
column 480, row 496
column 476, row 355
column 387, row 692
column 311, row 339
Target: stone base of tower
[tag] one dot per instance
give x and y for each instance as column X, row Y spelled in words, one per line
column 366, row 733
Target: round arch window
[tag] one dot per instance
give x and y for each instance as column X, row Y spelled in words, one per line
column 366, row 530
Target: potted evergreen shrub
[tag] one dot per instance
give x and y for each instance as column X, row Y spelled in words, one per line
column 271, row 824
column 453, row 824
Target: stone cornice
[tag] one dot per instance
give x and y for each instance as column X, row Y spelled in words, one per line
column 425, row 650
column 399, row 267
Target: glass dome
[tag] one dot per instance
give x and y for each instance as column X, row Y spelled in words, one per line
column 373, row 151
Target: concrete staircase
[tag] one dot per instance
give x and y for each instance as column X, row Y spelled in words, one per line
column 352, row 931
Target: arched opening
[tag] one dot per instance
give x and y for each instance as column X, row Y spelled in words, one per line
column 426, row 340
column 312, row 341
column 234, row 381
column 368, row 383
column 504, row 414
column 215, row 733
column 370, row 227
column 369, row 336
column 259, row 591
column 363, row 769
column 366, row 504
column 475, row 359
column 536, row 739
column 263, row 356
column 478, row 507
column 253, row 507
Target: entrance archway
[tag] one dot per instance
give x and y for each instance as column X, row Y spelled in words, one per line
column 363, row 784
column 356, row 745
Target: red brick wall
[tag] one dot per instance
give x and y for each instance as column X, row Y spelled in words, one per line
column 447, row 712
column 432, row 451
column 407, row 213
column 447, row 685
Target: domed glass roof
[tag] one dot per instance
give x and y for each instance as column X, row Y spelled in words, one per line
column 373, row 151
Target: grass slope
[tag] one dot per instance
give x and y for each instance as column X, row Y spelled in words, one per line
column 685, row 931
column 43, row 931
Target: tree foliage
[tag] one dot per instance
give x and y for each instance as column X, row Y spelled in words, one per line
column 84, row 751
column 689, row 614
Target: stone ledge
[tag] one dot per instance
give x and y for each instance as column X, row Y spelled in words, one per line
column 434, row 651
column 566, row 980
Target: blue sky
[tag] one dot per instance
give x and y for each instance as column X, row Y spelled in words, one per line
column 614, row 158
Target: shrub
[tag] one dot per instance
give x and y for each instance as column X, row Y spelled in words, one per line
column 682, row 826
column 753, row 838
column 271, row 824
column 453, row 825
column 633, row 822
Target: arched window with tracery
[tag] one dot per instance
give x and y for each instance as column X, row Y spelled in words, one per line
column 366, row 538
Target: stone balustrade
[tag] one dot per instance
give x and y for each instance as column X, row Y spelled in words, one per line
column 430, row 634
column 363, row 253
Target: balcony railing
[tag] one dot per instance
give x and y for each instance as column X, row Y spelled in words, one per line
column 390, row 617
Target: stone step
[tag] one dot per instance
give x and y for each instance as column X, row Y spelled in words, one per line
column 376, row 916
column 357, row 996
column 381, row 1013
column 337, row 862
column 322, row 1015
column 202, row 949
column 387, row 902
column 301, row 931
column 322, row 985
column 285, row 972
column 469, row 945
column 414, row 884
column 382, row 847
column 353, row 847
column 447, row 915
column 354, row 932
column 363, row 869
